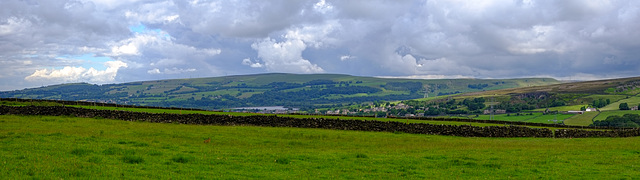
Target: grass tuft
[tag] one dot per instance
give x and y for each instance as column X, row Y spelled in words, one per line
column 182, row 159
column 132, row 159
column 360, row 155
column 283, row 160
column 112, row 151
column 80, row 151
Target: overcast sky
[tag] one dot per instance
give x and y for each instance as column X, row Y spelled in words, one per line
column 113, row 41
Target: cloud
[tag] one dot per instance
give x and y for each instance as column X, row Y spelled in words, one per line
column 346, row 57
column 250, row 63
column 251, row 19
column 285, row 56
column 157, row 49
column 79, row 74
column 14, row 25
column 421, row 38
column 170, row 71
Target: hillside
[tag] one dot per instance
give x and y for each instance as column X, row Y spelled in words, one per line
column 602, row 97
column 622, row 86
column 305, row 91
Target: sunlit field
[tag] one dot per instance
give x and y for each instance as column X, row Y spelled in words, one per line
column 44, row 147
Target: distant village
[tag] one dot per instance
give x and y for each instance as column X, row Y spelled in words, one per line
column 380, row 111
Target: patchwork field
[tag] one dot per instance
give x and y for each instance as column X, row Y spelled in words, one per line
column 43, row 147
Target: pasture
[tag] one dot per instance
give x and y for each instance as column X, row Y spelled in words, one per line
column 43, row 147
column 604, row 114
column 562, row 108
column 525, row 117
column 585, row 119
column 173, row 111
column 632, row 101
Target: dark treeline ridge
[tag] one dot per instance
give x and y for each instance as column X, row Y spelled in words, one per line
column 358, row 125
column 84, row 103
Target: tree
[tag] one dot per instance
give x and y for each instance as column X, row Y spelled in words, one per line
column 583, row 108
column 624, row 106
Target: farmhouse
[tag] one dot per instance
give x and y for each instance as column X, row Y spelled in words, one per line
column 634, row 108
column 591, row 109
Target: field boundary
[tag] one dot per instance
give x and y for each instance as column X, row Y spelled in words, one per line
column 337, row 124
column 518, row 123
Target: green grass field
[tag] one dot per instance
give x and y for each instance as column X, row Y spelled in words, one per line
column 632, row 101
column 562, row 108
column 549, row 118
column 42, row 147
column 525, row 117
column 585, row 119
column 285, row 115
column 604, row 114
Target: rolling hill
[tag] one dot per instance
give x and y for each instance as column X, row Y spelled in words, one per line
column 305, row 91
column 604, row 96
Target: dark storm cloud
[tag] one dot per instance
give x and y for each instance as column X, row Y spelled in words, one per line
column 143, row 40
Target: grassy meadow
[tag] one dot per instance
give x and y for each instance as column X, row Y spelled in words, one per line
column 604, row 114
column 631, row 101
column 525, row 117
column 173, row 111
column 44, row 147
column 585, row 119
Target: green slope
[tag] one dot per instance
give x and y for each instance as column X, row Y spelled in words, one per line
column 307, row 91
column 569, row 97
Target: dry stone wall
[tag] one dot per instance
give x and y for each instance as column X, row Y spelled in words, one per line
column 516, row 123
column 275, row 121
column 357, row 125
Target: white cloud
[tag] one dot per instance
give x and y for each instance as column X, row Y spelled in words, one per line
column 249, row 63
column 162, row 12
column 13, row 25
column 322, row 6
column 494, row 39
column 315, row 36
column 178, row 70
column 346, row 57
column 112, row 4
column 173, row 70
column 79, row 74
column 157, row 49
column 285, row 56
column 132, row 45
column 154, row 71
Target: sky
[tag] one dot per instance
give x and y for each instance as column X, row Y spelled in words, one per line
column 113, row 41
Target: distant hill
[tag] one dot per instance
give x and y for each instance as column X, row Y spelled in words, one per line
column 305, row 91
column 598, row 100
column 620, row 86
